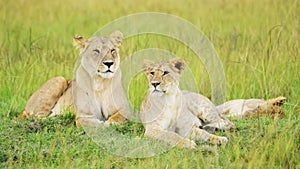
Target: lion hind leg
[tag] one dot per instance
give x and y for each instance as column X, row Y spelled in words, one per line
column 65, row 103
column 23, row 115
column 44, row 99
column 210, row 117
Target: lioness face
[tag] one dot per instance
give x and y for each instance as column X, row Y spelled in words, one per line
column 163, row 77
column 103, row 55
column 100, row 55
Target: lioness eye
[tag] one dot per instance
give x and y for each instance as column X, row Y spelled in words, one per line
column 165, row 73
column 113, row 51
column 152, row 73
column 97, row 51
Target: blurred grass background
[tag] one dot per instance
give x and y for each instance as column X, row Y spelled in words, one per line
column 257, row 41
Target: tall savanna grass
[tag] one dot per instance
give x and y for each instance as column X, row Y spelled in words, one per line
column 257, row 41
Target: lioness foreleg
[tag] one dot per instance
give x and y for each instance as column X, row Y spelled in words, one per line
column 115, row 119
column 88, row 122
column 202, row 135
column 171, row 137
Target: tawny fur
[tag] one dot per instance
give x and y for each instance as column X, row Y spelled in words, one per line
column 44, row 99
column 175, row 116
column 247, row 108
column 96, row 94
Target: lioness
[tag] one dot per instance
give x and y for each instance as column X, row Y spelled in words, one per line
column 176, row 116
column 96, row 92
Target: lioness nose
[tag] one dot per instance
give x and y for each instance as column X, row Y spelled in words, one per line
column 108, row 64
column 155, row 84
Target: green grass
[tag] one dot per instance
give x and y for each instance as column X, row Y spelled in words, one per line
column 257, row 41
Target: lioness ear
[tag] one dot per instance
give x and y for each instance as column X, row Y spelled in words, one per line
column 116, row 37
column 177, row 65
column 79, row 42
column 147, row 64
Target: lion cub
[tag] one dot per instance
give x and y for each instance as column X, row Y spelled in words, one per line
column 176, row 116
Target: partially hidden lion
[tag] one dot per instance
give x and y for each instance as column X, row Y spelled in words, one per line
column 247, row 108
column 182, row 117
column 96, row 94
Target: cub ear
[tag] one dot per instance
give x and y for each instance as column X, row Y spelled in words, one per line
column 147, row 64
column 116, row 37
column 177, row 64
column 79, row 42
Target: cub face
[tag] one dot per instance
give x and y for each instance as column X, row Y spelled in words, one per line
column 163, row 77
column 100, row 55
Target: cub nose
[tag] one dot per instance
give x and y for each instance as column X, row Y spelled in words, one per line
column 155, row 84
column 108, row 64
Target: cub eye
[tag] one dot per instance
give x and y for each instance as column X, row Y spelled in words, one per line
column 165, row 73
column 152, row 73
column 97, row 51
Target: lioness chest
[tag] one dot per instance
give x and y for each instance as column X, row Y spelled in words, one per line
column 169, row 110
column 105, row 104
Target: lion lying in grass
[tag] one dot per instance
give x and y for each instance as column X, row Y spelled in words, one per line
column 96, row 93
column 246, row 108
column 176, row 116
column 182, row 117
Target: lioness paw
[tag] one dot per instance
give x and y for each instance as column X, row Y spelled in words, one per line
column 187, row 143
column 117, row 118
column 218, row 140
column 110, row 122
column 223, row 140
